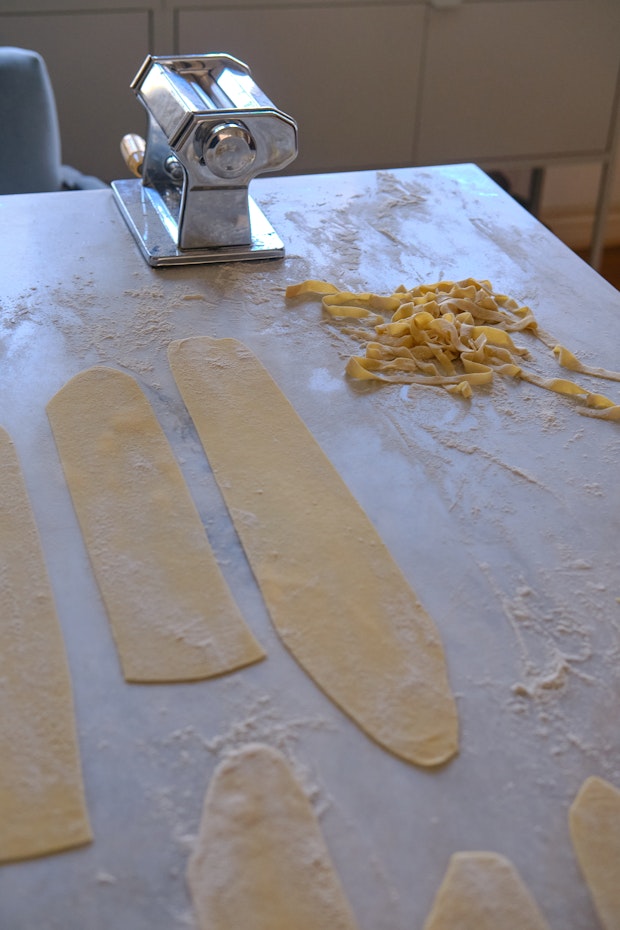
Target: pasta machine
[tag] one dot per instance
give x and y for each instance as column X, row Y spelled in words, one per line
column 210, row 131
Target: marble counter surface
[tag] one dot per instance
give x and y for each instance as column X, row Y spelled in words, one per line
column 503, row 512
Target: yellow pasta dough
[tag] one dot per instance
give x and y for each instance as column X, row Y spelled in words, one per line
column 334, row 593
column 172, row 615
column 483, row 891
column 42, row 806
column 594, row 821
column 260, row 861
column 456, row 335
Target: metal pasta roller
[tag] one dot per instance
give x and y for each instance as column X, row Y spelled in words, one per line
column 211, row 130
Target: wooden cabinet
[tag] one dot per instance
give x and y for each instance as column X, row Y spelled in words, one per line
column 371, row 83
column 349, row 75
column 519, row 80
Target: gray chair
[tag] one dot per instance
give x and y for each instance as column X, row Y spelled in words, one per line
column 30, row 153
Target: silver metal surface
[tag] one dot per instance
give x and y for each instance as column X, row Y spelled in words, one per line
column 211, row 130
column 152, row 219
column 229, row 150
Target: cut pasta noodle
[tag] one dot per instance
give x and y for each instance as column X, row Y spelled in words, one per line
column 260, row 860
column 483, row 891
column 594, row 821
column 456, row 335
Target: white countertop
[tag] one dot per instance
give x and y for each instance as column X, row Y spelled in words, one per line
column 503, row 512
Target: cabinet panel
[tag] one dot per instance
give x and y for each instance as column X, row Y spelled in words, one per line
column 511, row 79
column 92, row 58
column 347, row 75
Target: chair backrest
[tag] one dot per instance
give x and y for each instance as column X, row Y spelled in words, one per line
column 30, row 154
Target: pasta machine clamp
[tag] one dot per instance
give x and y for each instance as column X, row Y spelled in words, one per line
column 211, row 130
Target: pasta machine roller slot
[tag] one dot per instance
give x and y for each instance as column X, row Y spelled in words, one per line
column 210, row 131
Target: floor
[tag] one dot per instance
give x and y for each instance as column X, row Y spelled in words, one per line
column 610, row 265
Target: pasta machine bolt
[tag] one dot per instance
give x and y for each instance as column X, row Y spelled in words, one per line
column 229, row 150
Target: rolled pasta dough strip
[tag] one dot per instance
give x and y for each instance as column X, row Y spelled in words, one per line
column 334, row 593
column 42, row 806
column 594, row 821
column 260, row 862
column 483, row 891
column 172, row 615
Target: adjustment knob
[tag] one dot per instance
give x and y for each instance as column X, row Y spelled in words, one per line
column 229, row 150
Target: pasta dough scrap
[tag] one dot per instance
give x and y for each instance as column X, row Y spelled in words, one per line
column 456, row 335
column 42, row 804
column 483, row 891
column 260, row 862
column 334, row 593
column 172, row 614
column 594, row 821
column 567, row 360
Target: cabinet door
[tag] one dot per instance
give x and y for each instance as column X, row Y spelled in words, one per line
column 92, row 59
column 519, row 79
column 348, row 75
